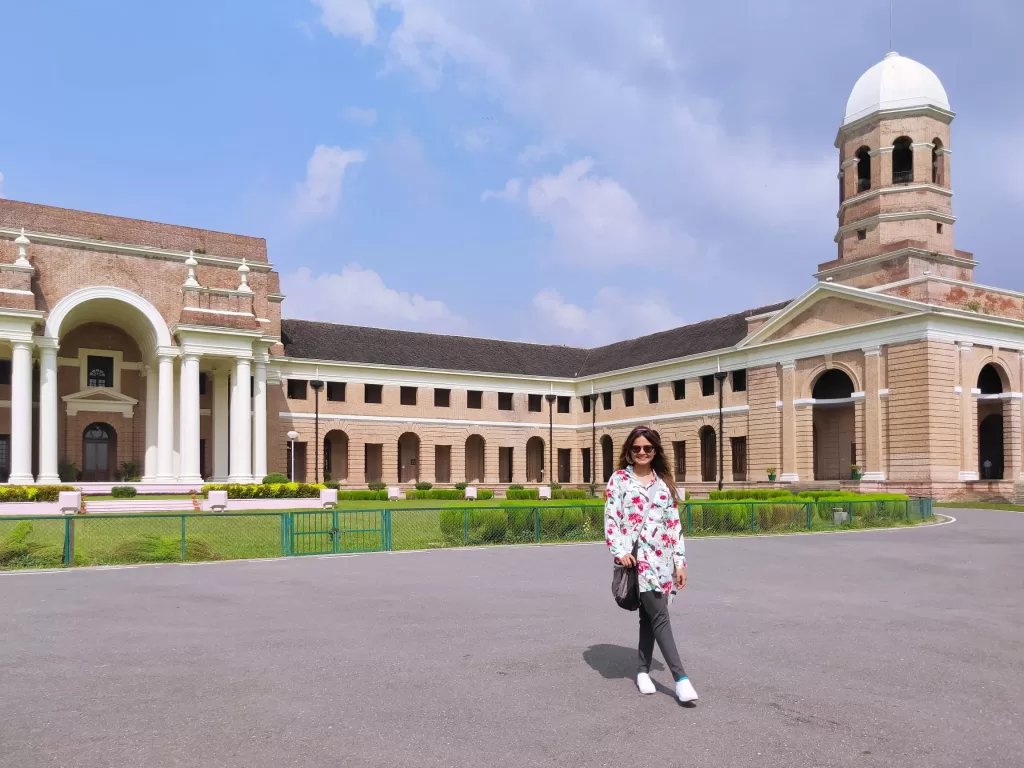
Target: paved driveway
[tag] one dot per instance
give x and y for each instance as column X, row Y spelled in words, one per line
column 896, row 648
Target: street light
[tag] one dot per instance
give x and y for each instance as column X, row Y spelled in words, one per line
column 593, row 438
column 293, row 436
column 316, row 386
column 720, row 378
column 551, row 436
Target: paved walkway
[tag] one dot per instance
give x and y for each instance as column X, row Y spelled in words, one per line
column 896, row 648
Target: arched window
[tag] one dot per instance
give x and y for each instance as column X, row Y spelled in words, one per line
column 863, row 169
column 937, row 175
column 902, row 161
column 989, row 381
column 833, row 384
column 708, row 455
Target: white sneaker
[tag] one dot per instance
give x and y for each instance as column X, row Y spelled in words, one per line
column 685, row 692
column 645, row 684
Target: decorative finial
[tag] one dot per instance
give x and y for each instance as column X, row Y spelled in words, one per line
column 191, row 263
column 243, row 271
column 22, row 242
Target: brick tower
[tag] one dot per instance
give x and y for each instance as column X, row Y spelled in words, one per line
column 895, row 210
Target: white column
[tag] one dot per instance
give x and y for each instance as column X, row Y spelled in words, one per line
column 220, row 426
column 152, row 422
column 165, row 420
column 21, row 414
column 48, row 413
column 241, row 424
column 259, row 421
column 190, row 469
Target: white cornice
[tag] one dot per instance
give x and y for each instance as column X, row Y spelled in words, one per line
column 936, row 256
column 144, row 251
column 879, row 191
column 946, row 281
column 943, row 115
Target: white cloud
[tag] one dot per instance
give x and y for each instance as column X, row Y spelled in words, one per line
column 358, row 296
column 535, row 153
column 509, row 192
column 596, row 221
column 349, row 18
column 320, row 193
column 360, row 115
column 614, row 315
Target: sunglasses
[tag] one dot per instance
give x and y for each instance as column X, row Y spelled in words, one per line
column 643, row 449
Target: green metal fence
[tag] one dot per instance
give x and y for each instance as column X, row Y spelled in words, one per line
column 44, row 541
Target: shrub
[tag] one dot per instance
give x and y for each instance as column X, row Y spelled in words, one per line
column 461, row 486
column 520, row 494
column 274, row 478
column 16, row 551
column 377, row 485
column 484, row 495
column 480, row 526
column 556, row 486
column 446, row 494
column 278, row 491
column 362, row 495
column 151, row 548
column 129, row 472
column 421, row 486
column 561, row 523
column 32, row 492
column 567, row 494
column 124, row 492
column 332, row 484
column 515, row 487
column 68, row 471
column 592, row 490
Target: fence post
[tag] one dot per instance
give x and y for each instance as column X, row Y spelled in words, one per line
column 808, row 505
column 753, row 518
column 284, row 550
column 386, row 533
column 536, row 523
column 69, row 541
column 183, row 538
column 465, row 526
column 849, row 516
column 689, row 518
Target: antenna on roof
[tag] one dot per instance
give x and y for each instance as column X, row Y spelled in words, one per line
column 890, row 25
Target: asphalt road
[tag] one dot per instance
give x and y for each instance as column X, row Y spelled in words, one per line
column 896, row 648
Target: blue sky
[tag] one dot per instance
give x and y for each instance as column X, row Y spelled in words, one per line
column 564, row 171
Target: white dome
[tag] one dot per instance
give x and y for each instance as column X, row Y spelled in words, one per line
column 895, row 82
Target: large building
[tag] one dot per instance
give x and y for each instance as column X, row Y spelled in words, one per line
column 128, row 342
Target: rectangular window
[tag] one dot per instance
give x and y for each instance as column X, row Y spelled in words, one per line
column 373, row 393
column 563, row 404
column 505, row 402
column 297, row 389
column 202, row 384
column 707, row 385
column 373, row 461
column 442, row 463
column 504, row 465
column 585, row 403
column 5, row 371
column 586, row 466
column 474, row 399
column 299, row 463
column 652, row 393
column 679, row 389
column 739, row 458
column 739, row 381
column 862, row 234
column 679, row 450
column 442, row 398
column 336, row 391
column 627, row 397
column 606, row 400
column 535, row 403
column 565, row 465
column 100, row 371
column 408, row 396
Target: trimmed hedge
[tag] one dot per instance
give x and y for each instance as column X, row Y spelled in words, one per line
column 568, row 494
column 775, row 495
column 377, row 485
column 276, row 491
column 520, row 494
column 275, row 478
column 362, row 495
column 32, row 492
column 124, row 492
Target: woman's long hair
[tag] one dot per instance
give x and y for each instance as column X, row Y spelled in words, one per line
column 659, row 463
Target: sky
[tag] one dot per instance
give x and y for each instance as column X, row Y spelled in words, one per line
column 557, row 171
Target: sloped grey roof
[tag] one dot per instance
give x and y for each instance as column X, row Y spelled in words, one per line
column 306, row 339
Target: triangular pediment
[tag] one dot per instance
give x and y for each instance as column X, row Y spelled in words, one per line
column 99, row 395
column 828, row 307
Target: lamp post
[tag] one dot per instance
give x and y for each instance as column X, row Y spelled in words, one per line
column 720, row 378
column 316, row 386
column 593, row 437
column 551, row 435
column 292, row 435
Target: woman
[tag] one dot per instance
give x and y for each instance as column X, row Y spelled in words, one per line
column 641, row 517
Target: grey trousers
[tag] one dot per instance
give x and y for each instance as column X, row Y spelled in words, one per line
column 655, row 625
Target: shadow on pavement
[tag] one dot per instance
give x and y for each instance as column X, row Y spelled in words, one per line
column 615, row 661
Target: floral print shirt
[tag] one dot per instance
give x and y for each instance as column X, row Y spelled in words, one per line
column 661, row 548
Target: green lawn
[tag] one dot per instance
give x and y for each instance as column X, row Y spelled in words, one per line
column 136, row 538
column 980, row 505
